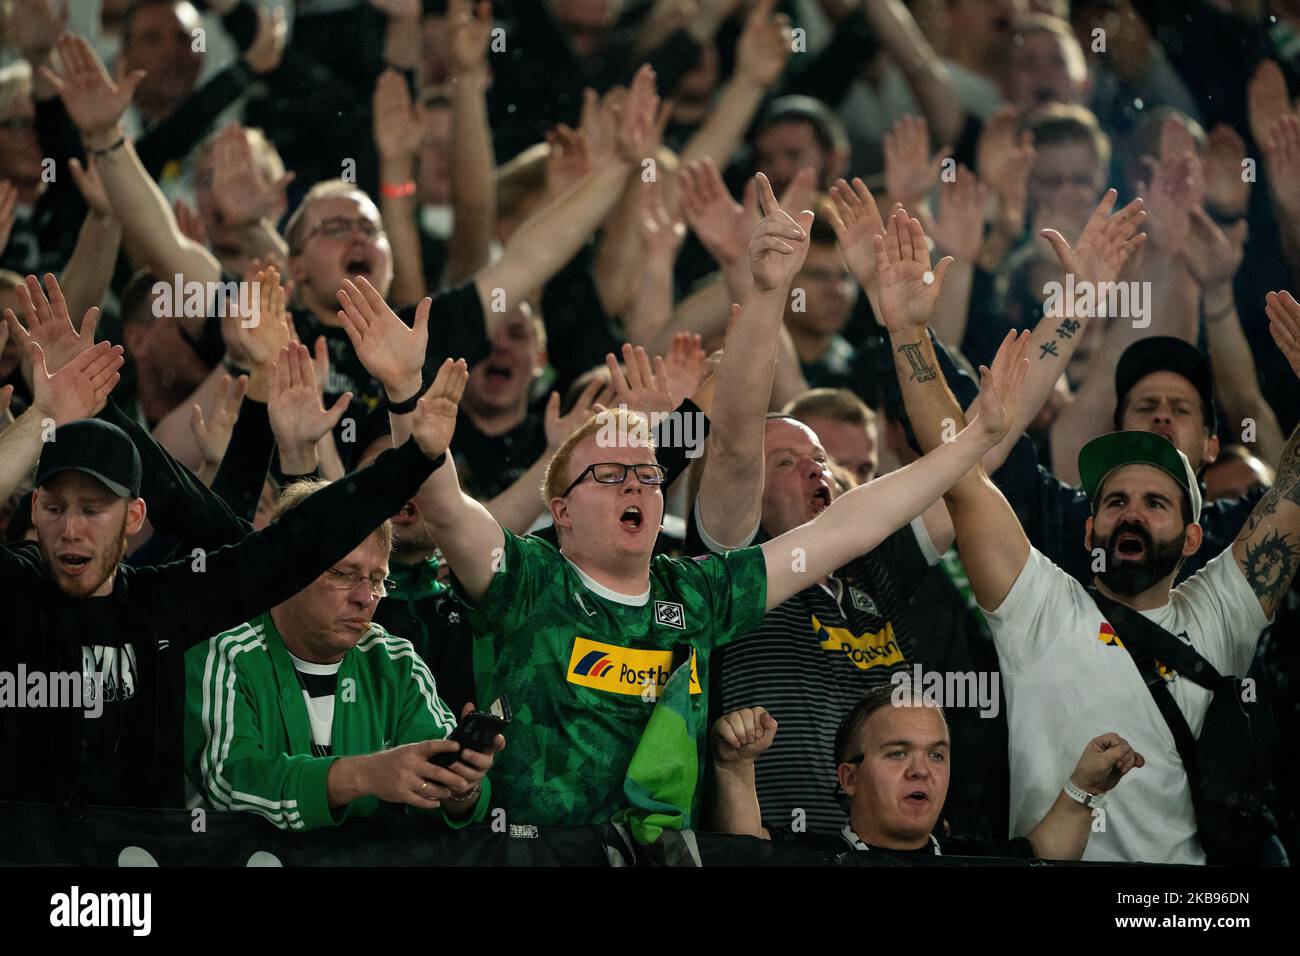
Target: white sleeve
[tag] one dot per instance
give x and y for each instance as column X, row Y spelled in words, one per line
column 923, row 540
column 713, row 545
column 1226, row 613
column 1040, row 609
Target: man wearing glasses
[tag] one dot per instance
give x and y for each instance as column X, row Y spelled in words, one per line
column 583, row 636
column 311, row 713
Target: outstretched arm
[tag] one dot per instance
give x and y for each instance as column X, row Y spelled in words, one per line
column 1268, row 548
column 473, row 167
column 992, row 543
column 860, row 519
column 1107, row 242
column 731, row 489
column 552, row 236
column 470, row 538
column 95, row 103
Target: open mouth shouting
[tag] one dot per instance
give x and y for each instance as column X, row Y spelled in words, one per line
column 1130, row 544
column 821, row 499
column 632, row 519
column 498, row 373
column 407, row 516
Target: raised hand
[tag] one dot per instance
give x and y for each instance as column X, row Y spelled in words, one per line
column 1104, row 763
column 267, row 48
column 742, row 735
column 1282, row 153
column 1176, row 142
column 239, row 190
column 960, row 226
column 80, row 388
column 661, row 231
column 1004, row 157
column 398, row 132
column 1212, row 254
column 434, row 420
column 34, row 26
column 1226, row 190
column 779, row 244
column 856, row 220
column 559, row 427
column 568, row 159
column 722, row 225
column 8, row 205
column 685, row 365
column 637, row 385
column 598, row 123
column 93, row 101
column 1106, row 243
column 910, row 170
column 469, row 35
column 908, row 287
column 391, row 352
column 91, row 187
column 48, row 323
column 764, row 45
column 635, row 133
column 189, row 222
column 1170, row 198
column 1000, row 387
column 1284, row 325
column 1266, row 99
column 260, row 337
column 297, row 417
column 213, row 435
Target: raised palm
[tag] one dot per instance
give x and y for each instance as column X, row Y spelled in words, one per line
column 855, row 217
column 93, row 101
column 434, row 420
column 1106, row 243
column 1000, row 386
column 397, row 124
column 48, row 322
column 390, row 350
column 908, row 287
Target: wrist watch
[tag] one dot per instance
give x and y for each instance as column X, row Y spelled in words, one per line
column 1093, row 801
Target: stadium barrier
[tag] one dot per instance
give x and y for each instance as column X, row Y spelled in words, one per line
column 37, row 834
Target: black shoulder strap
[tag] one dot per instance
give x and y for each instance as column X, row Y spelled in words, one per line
column 1143, row 643
column 1141, row 635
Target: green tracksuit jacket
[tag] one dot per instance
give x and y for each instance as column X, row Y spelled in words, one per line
column 248, row 737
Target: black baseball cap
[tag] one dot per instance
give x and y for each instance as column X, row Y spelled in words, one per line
column 1165, row 353
column 1101, row 456
column 97, row 448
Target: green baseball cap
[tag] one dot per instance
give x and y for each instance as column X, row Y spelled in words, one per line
column 1101, row 456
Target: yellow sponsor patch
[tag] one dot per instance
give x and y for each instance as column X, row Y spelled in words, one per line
column 867, row 650
column 623, row 670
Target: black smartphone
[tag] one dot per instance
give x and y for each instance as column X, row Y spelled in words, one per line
column 476, row 731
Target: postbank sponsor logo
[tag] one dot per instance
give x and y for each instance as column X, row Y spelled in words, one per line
column 866, row 650
column 623, row 670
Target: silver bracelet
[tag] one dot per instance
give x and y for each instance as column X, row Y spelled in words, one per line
column 467, row 797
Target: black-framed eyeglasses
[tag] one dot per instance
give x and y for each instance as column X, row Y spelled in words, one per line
column 18, row 124
column 615, row 473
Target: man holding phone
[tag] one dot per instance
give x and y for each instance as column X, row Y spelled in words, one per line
column 311, row 713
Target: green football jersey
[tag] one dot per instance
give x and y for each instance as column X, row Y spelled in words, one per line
column 583, row 666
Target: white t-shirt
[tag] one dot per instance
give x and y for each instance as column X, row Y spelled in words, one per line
column 1066, row 682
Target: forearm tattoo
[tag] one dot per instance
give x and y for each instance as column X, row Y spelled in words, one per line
column 922, row 371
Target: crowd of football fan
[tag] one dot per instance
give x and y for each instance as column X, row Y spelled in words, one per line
column 645, row 373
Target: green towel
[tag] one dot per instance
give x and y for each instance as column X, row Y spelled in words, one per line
column 662, row 783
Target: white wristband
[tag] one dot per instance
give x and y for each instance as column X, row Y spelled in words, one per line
column 1089, row 800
